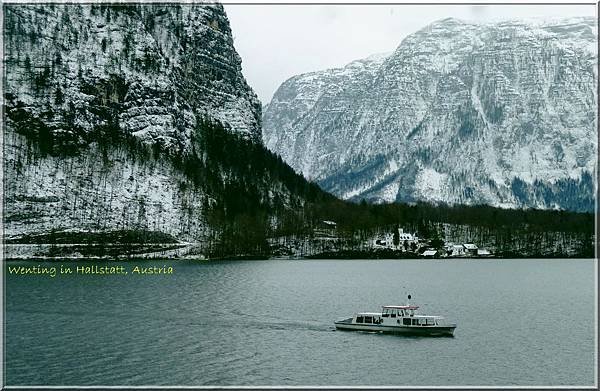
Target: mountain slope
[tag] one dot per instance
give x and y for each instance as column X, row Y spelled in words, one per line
column 133, row 117
column 500, row 114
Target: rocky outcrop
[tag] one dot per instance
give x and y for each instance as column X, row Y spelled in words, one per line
column 501, row 114
column 161, row 66
column 86, row 85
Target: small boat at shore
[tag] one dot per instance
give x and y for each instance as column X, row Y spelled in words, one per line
column 398, row 319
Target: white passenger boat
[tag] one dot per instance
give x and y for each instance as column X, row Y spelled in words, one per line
column 398, row 319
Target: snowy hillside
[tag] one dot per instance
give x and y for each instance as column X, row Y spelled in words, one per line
column 500, row 114
column 87, row 86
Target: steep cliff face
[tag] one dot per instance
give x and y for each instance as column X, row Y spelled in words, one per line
column 90, row 89
column 501, row 114
column 329, row 93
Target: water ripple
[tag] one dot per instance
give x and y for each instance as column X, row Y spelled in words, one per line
column 271, row 323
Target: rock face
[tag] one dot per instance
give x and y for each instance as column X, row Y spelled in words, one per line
column 501, row 114
column 79, row 77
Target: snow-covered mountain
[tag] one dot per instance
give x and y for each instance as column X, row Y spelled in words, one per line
column 86, row 85
column 501, row 114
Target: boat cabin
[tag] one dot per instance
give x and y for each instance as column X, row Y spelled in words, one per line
column 394, row 311
column 403, row 315
column 368, row 318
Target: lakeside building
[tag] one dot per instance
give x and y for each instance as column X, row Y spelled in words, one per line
column 470, row 248
column 457, row 250
column 326, row 229
column 406, row 241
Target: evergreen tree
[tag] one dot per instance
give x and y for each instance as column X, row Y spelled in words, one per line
column 396, row 235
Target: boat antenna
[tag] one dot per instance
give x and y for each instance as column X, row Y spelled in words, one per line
column 408, row 301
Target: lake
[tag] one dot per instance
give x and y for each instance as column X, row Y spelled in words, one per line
column 520, row 322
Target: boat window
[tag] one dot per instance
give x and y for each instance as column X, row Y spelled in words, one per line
column 415, row 322
column 406, row 321
column 385, row 313
column 359, row 319
column 394, row 314
column 368, row 319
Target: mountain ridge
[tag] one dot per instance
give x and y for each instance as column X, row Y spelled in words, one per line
column 488, row 91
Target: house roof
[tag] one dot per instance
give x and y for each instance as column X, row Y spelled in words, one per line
column 470, row 246
column 429, row 252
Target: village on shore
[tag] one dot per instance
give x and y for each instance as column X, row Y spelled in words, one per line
column 410, row 243
column 405, row 242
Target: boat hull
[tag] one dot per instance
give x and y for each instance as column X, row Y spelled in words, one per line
column 446, row 330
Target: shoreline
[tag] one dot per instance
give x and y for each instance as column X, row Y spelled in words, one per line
column 182, row 251
column 274, row 258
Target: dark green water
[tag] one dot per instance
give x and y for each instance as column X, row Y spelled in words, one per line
column 520, row 322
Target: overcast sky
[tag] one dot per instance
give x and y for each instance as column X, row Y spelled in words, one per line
column 277, row 42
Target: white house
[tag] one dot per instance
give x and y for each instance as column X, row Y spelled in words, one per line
column 470, row 248
column 405, row 236
column 458, row 250
column 406, row 239
column 387, row 240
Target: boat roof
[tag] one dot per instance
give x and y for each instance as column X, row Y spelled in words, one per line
column 401, row 307
column 370, row 313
